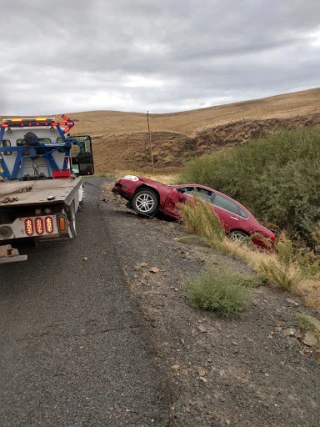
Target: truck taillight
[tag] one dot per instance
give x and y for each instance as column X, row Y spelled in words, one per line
column 28, row 225
column 62, row 223
column 49, row 224
column 39, row 226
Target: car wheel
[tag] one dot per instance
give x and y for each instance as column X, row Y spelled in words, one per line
column 145, row 202
column 238, row 235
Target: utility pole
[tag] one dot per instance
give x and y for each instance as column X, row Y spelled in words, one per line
column 151, row 153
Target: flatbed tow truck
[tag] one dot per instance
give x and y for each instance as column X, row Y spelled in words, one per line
column 41, row 188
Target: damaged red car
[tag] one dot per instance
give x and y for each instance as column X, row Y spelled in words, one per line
column 148, row 197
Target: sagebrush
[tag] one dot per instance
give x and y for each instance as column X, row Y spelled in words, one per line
column 221, row 292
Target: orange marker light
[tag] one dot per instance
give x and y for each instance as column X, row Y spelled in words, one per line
column 62, row 223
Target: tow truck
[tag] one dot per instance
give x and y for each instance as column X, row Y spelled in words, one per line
column 41, row 185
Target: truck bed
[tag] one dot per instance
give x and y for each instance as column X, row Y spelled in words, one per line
column 46, row 191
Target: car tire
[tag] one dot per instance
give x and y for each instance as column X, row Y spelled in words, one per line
column 145, row 202
column 238, row 235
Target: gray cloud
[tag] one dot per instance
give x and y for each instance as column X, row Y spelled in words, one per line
column 163, row 56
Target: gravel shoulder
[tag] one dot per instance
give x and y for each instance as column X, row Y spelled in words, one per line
column 249, row 371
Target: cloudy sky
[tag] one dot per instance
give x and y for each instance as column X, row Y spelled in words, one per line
column 161, row 56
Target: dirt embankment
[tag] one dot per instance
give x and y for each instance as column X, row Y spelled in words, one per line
column 131, row 151
column 254, row 371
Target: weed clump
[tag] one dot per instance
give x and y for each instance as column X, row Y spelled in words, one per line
column 199, row 217
column 290, row 268
column 220, row 292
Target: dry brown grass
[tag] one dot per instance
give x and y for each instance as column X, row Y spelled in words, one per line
column 310, row 289
column 121, row 141
column 189, row 122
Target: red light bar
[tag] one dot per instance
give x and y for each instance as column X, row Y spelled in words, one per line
column 38, row 121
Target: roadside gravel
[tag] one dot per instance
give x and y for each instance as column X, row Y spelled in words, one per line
column 249, row 371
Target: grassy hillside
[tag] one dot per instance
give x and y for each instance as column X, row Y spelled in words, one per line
column 189, row 122
column 121, row 139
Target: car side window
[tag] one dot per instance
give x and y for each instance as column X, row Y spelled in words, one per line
column 204, row 194
column 226, row 204
column 187, row 190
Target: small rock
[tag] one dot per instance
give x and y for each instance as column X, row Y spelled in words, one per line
column 317, row 354
column 202, row 329
column 290, row 332
column 298, row 335
column 315, row 322
column 234, row 343
column 154, row 270
column 204, row 380
column 292, row 341
column 310, row 339
column 202, row 373
column 175, row 369
column 279, row 323
column 85, row 258
column 292, row 302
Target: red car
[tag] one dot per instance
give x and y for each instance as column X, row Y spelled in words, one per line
column 148, row 197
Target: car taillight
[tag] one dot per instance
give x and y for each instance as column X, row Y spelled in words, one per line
column 28, row 225
column 39, row 226
column 48, row 224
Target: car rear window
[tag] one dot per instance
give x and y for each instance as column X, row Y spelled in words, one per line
column 243, row 214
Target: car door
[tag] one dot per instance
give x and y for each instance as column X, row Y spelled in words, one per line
column 176, row 196
column 229, row 213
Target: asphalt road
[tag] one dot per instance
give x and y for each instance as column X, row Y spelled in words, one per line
column 74, row 351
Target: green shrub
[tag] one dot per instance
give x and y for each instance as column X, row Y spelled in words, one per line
column 276, row 177
column 220, row 292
